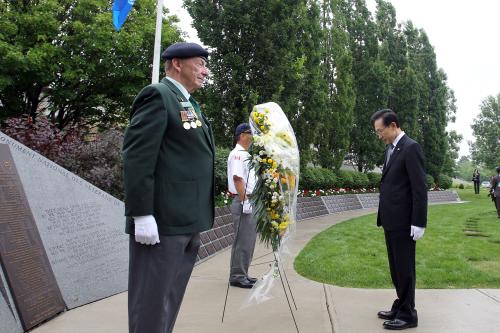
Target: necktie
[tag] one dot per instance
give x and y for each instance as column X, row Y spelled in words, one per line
column 197, row 109
column 389, row 153
column 195, row 106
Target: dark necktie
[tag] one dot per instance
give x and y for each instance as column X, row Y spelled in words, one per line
column 389, row 153
column 196, row 106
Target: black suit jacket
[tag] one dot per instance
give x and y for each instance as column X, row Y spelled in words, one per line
column 403, row 189
column 495, row 186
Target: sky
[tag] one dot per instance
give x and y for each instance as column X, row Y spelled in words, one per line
column 465, row 36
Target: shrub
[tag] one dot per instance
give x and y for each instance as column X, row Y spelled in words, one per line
column 306, row 178
column 43, row 137
column 344, row 179
column 329, row 179
column 99, row 161
column 221, row 155
column 444, row 181
column 359, row 179
column 374, row 179
column 312, row 178
column 461, row 186
column 430, row 181
column 318, row 179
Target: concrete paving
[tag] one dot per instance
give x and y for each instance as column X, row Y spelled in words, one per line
column 321, row 308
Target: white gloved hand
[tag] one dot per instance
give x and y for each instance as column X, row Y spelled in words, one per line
column 146, row 230
column 416, row 232
column 247, row 207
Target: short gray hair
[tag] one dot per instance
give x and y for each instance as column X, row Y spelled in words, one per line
column 168, row 64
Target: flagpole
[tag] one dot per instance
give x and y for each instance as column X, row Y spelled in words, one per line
column 157, row 50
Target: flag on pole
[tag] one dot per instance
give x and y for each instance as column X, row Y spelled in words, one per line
column 121, row 8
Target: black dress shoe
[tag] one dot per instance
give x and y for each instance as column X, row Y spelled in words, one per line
column 398, row 324
column 251, row 279
column 242, row 284
column 387, row 315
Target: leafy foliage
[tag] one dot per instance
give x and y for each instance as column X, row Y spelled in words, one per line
column 221, row 155
column 44, row 137
column 429, row 181
column 486, row 128
column 96, row 158
column 444, row 181
column 65, row 58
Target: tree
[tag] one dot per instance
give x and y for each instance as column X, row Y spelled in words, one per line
column 334, row 132
column 465, row 168
column 436, row 102
column 403, row 98
column 261, row 52
column 449, row 165
column 65, row 58
column 486, row 130
column 370, row 83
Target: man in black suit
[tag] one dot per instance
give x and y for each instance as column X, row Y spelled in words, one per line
column 495, row 190
column 402, row 213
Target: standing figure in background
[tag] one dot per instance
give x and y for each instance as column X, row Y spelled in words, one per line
column 476, row 179
column 168, row 162
column 402, row 212
column 241, row 182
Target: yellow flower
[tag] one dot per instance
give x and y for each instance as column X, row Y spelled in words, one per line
column 275, row 165
column 283, row 225
column 285, row 137
column 270, row 161
column 262, row 127
column 291, row 178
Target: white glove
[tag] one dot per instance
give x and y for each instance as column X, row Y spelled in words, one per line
column 146, row 230
column 247, row 208
column 416, row 232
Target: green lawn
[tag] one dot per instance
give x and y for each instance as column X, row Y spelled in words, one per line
column 460, row 249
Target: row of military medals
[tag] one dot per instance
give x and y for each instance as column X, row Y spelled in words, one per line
column 189, row 118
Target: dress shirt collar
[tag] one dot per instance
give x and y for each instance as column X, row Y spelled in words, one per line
column 239, row 147
column 395, row 143
column 180, row 87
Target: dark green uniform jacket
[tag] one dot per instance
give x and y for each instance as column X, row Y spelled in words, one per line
column 168, row 170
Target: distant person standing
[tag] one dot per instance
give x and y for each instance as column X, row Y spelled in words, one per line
column 241, row 182
column 495, row 190
column 476, row 179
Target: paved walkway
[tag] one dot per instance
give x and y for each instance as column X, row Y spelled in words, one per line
column 321, row 308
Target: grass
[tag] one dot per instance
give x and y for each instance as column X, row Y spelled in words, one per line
column 460, row 249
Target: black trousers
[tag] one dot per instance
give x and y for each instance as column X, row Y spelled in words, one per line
column 401, row 255
column 158, row 276
column 497, row 205
column 476, row 187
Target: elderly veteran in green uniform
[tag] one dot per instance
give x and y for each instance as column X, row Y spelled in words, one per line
column 168, row 156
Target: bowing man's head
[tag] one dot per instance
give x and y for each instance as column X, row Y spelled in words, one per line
column 385, row 123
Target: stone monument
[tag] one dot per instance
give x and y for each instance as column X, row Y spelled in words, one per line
column 81, row 228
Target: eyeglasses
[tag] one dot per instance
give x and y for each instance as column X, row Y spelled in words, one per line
column 379, row 130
